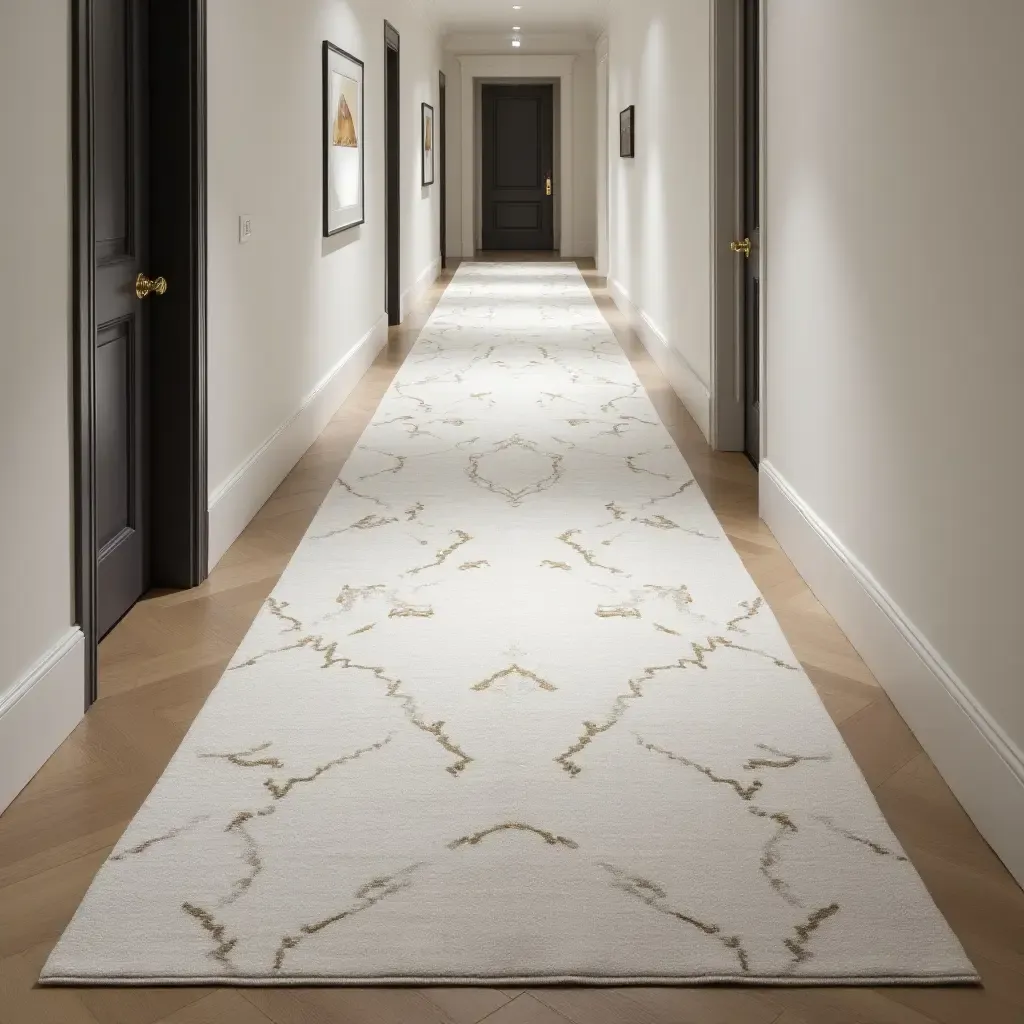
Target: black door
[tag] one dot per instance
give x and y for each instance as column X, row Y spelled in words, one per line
column 392, row 175
column 518, row 143
column 752, row 229
column 121, row 210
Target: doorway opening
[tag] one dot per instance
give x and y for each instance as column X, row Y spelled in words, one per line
column 517, row 167
column 392, row 175
column 736, row 229
column 139, row 306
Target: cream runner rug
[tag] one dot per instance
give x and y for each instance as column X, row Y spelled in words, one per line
column 515, row 714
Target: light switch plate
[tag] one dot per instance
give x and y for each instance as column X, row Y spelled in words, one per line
column 244, row 228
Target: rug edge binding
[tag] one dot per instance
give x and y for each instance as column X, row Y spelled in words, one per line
column 510, row 981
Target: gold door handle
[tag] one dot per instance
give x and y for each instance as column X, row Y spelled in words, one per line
column 149, row 286
column 743, row 247
column 548, row 186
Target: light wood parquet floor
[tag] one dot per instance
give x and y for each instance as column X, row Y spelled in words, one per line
column 159, row 664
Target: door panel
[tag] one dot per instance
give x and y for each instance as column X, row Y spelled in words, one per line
column 120, row 180
column 751, row 143
column 518, row 144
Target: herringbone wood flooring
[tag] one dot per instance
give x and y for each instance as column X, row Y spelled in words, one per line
column 160, row 663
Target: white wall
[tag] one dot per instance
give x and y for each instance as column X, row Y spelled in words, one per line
column 41, row 681
column 660, row 202
column 294, row 319
column 584, row 174
column 895, row 355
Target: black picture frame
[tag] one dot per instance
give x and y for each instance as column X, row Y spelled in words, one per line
column 428, row 143
column 627, row 132
column 335, row 223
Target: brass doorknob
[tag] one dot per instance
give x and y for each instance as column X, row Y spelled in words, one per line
column 743, row 247
column 149, row 286
column 547, row 188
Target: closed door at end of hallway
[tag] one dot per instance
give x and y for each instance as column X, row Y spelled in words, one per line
column 518, row 168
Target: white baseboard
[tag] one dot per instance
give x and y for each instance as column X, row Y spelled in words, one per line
column 981, row 764
column 681, row 376
column 240, row 497
column 414, row 293
column 39, row 712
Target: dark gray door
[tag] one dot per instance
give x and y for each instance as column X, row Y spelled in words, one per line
column 120, row 101
column 751, row 324
column 518, row 146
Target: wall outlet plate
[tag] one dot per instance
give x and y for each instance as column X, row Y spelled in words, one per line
column 244, row 228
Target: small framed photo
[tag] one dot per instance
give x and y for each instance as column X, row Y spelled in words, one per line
column 427, row 142
column 627, row 132
column 344, row 151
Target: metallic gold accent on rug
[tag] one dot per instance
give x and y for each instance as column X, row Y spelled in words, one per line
column 622, row 611
column 366, row 896
column 251, row 857
column 515, row 498
column 618, row 514
column 242, row 758
column 350, row 595
column 588, row 556
column 279, row 790
column 655, row 897
column 659, row 522
column 368, row 522
column 680, row 596
column 547, row 563
column 474, row 565
column 770, row 855
column 631, row 463
column 751, row 609
column 874, row 847
column 142, row 847
column 363, row 629
column 400, row 461
column 743, row 792
column 216, row 931
column 635, row 692
column 394, row 689
column 668, row 497
column 513, row 670
column 784, row 760
column 412, row 514
column 277, row 609
column 356, row 494
column 445, row 554
column 412, row 611
column 514, row 826
column 805, row 932
column 664, row 629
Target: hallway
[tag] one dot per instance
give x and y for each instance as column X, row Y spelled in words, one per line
column 163, row 660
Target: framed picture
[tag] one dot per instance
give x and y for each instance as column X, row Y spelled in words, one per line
column 627, row 137
column 344, row 146
column 427, row 142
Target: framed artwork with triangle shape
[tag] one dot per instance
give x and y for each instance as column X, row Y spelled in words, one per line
column 343, row 143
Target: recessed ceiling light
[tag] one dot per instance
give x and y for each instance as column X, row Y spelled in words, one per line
column 516, row 7
column 515, row 28
column 515, row 42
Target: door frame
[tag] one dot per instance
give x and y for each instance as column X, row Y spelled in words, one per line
column 178, row 450
column 516, row 69
column 727, row 356
column 442, row 144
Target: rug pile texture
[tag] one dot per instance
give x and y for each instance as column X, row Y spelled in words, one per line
column 515, row 714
